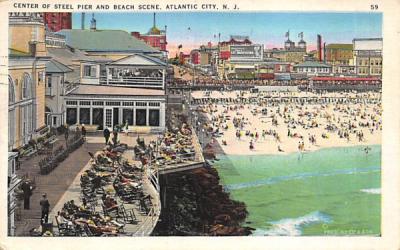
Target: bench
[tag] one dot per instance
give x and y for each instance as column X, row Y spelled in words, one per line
column 65, row 229
column 139, row 129
column 29, row 152
column 52, row 139
column 91, row 128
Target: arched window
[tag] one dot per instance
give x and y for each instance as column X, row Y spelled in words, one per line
column 27, row 87
column 11, row 91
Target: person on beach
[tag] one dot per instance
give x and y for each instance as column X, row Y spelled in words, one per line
column 251, row 146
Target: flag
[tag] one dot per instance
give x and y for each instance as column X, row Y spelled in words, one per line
column 180, row 46
column 300, row 35
column 188, row 28
column 287, row 34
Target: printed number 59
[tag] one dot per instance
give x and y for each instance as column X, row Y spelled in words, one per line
column 374, row 7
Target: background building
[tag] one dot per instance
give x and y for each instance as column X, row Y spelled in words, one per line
column 27, row 64
column 367, row 56
column 338, row 53
column 224, row 47
column 56, row 21
column 155, row 37
column 313, row 68
column 290, row 52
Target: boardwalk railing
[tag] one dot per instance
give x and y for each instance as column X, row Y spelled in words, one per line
column 151, row 219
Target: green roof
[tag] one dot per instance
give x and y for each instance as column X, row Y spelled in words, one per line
column 14, row 52
column 340, row 46
column 56, row 67
column 105, row 40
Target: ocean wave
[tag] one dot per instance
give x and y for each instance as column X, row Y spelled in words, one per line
column 371, row 190
column 299, row 176
column 293, row 226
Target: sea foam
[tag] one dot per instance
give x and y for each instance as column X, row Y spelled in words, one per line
column 371, row 190
column 293, row 226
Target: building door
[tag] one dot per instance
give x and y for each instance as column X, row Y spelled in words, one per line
column 115, row 116
column 109, row 118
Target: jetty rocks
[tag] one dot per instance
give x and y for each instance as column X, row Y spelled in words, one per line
column 197, row 205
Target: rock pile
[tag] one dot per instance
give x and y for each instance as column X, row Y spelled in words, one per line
column 196, row 204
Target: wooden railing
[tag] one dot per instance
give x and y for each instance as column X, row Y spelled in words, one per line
column 135, row 81
column 151, row 218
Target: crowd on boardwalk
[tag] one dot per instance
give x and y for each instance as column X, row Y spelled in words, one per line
column 274, row 82
column 279, row 122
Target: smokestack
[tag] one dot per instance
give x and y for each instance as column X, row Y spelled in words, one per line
column 154, row 19
column 324, row 53
column 83, row 21
column 319, row 47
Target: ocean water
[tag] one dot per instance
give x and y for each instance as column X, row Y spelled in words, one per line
column 334, row 191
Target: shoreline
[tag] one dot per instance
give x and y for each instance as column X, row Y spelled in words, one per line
column 306, row 151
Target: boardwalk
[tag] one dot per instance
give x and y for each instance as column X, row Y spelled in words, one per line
column 54, row 184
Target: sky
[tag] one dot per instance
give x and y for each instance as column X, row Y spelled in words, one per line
column 267, row 28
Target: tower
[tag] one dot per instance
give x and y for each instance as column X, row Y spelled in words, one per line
column 93, row 23
column 302, row 44
column 83, row 21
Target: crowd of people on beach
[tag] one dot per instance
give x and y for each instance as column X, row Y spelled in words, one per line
column 264, row 117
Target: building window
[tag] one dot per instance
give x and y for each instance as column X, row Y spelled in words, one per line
column 141, row 104
column 98, row 103
column 84, row 115
column 128, row 103
column 26, row 87
column 89, row 70
column 154, row 117
column 84, row 103
column 141, row 117
column 54, row 121
column 41, row 76
column 154, row 104
column 49, row 81
column 71, row 102
column 71, row 116
column 11, row 127
column 113, row 103
column 11, row 91
column 97, row 117
column 127, row 116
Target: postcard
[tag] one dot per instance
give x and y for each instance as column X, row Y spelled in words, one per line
column 226, row 125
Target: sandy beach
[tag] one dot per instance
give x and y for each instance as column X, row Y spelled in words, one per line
column 282, row 128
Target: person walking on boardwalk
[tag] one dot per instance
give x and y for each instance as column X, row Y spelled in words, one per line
column 45, row 205
column 83, row 131
column 106, row 134
column 66, row 134
column 27, row 189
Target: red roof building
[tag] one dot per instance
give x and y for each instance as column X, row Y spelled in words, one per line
column 224, row 46
column 155, row 37
column 56, row 21
column 195, row 56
